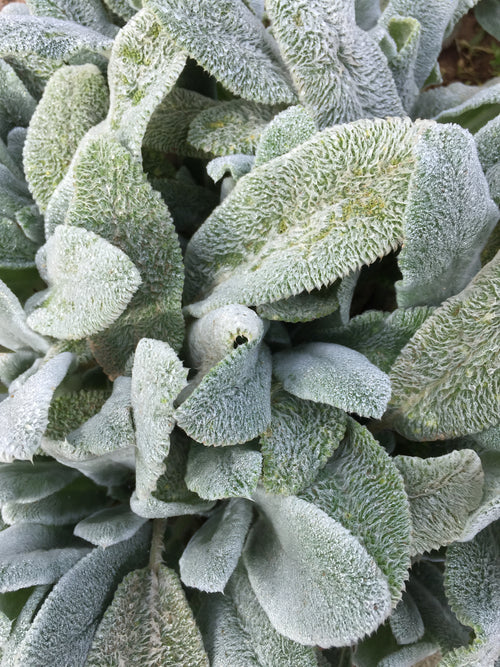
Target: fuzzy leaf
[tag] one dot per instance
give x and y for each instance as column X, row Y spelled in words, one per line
column 15, row 100
column 109, row 526
column 113, row 199
column 232, row 403
column 288, row 129
column 215, row 473
column 336, row 375
column 212, row 554
column 35, row 554
column 218, row 37
column 236, row 631
column 148, row 623
column 303, row 307
column 300, row 439
column 38, row 46
column 405, row 621
column 253, row 254
column 188, row 203
column 23, row 621
column 24, row 482
column 144, row 65
column 327, row 572
column 489, row 507
column 236, row 166
column 404, row 36
column 80, row 597
column 472, row 582
column 350, row 79
column 91, row 283
column 89, row 13
column 474, row 112
column 443, row 492
column 487, row 15
column 122, row 8
column 75, row 99
column 488, row 144
column 14, row 364
column 157, row 378
column 445, row 381
column 362, row 489
column 69, row 411
column 24, row 415
column 229, row 127
column 14, row 333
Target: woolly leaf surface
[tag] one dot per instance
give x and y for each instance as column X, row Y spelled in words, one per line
column 24, row 414
column 350, row 78
column 362, row 489
column 489, row 507
column 121, row 8
column 13, row 364
column 189, row 204
column 445, row 381
column 443, row 492
column 144, row 65
column 35, row 554
column 212, row 554
column 218, row 37
column 405, row 621
column 303, row 307
column 236, row 165
column 7, row 160
column 488, row 17
column 474, row 112
column 74, row 100
column 16, row 250
column 288, row 129
column 335, row 592
column 23, row 622
column 236, row 630
column 109, row 526
column 232, row 403
column 80, row 597
column 24, row 482
column 226, row 472
column 89, row 13
column 14, row 332
column 229, row 127
column 432, row 102
column 113, row 199
column 14, row 195
column 69, row 411
column 149, row 623
column 444, row 236
column 91, row 284
column 38, row 46
column 157, row 378
column 488, row 144
column 367, row 13
column 16, row 101
column 381, row 648
column 278, row 234
column 297, row 444
column 336, row 375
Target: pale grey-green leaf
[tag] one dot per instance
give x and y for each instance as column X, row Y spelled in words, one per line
column 13, row 364
column 487, row 14
column 91, row 283
column 25, row 482
column 212, row 554
column 336, row 375
column 405, row 33
column 432, row 102
column 148, row 623
column 335, row 592
column 14, row 332
column 24, row 415
column 109, row 526
column 489, row 507
column 303, row 307
column 121, row 8
column 24, row 620
column 405, row 621
column 474, row 112
column 237, row 165
column 16, row 101
column 89, row 13
column 223, row 472
column 443, row 492
column 288, row 129
column 488, row 144
column 367, row 13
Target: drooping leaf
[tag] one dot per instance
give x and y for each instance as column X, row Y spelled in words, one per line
column 230, row 127
column 75, row 99
column 302, row 436
column 336, row 375
column 351, row 79
column 327, row 572
column 232, row 403
column 474, row 112
column 109, row 526
column 433, row 101
column 91, row 284
column 223, row 472
column 288, row 129
column 158, row 376
column 38, row 46
column 23, row 622
column 443, row 492
column 14, row 194
column 24, row 415
column 144, row 65
column 16, row 102
column 488, row 17
column 489, row 507
column 303, row 307
column 35, row 554
column 236, row 630
column 217, row 37
column 13, row 364
column 236, row 165
column 445, row 381
column 362, row 489
column 405, row 621
column 148, row 623
column 14, row 332
column 212, row 554
column 25, row 482
column 488, row 144
column 80, row 597
column 89, row 13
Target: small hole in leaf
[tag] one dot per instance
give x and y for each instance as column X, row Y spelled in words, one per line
column 239, row 340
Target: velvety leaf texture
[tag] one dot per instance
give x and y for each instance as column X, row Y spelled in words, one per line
column 14, row 332
column 489, row 507
column 91, row 284
column 303, row 307
column 405, row 621
column 457, row 347
column 109, row 526
column 219, row 37
column 16, row 101
column 148, row 623
column 339, row 70
column 236, row 166
column 75, row 99
column 89, row 13
column 288, row 129
column 22, row 481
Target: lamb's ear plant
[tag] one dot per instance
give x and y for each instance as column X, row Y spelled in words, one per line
column 250, row 330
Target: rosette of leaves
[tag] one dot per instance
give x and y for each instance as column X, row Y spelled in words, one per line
column 250, row 336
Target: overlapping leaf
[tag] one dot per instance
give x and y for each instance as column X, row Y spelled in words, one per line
column 25, row 482
column 14, row 332
column 89, row 13
column 16, row 102
column 288, row 129
column 109, row 526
